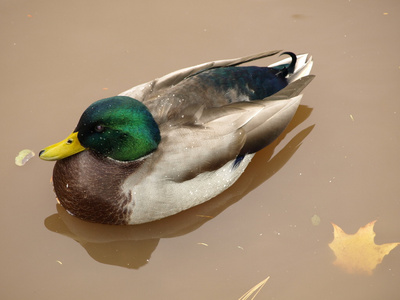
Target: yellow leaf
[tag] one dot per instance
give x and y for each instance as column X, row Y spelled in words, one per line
column 358, row 253
column 23, row 157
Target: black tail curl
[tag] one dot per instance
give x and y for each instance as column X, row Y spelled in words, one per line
column 290, row 69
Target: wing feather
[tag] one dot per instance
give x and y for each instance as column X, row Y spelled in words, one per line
column 262, row 120
column 148, row 89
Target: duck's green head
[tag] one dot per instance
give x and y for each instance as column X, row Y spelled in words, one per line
column 119, row 127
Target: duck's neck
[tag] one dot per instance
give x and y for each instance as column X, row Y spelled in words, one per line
column 76, row 183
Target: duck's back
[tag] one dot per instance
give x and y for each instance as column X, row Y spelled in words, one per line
column 214, row 88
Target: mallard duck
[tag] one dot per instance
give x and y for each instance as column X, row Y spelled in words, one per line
column 175, row 142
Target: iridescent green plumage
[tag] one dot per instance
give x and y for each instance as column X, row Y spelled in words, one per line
column 118, row 127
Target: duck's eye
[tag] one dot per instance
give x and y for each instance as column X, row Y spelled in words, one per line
column 99, row 128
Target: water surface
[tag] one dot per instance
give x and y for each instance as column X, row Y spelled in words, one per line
column 337, row 160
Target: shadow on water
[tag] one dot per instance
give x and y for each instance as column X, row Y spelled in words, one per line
column 132, row 246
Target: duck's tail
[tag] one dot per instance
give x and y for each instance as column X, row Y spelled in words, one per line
column 285, row 70
column 299, row 66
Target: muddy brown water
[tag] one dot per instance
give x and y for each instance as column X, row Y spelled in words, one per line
column 339, row 158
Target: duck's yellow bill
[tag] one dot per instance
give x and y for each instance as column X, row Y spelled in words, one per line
column 63, row 149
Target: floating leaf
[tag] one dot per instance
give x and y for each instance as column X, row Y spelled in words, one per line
column 23, row 157
column 358, row 253
column 254, row 290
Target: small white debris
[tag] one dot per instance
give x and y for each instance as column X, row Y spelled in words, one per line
column 315, row 220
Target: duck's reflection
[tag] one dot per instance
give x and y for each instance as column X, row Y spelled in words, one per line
column 131, row 246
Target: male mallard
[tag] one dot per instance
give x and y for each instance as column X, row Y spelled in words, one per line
column 174, row 142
